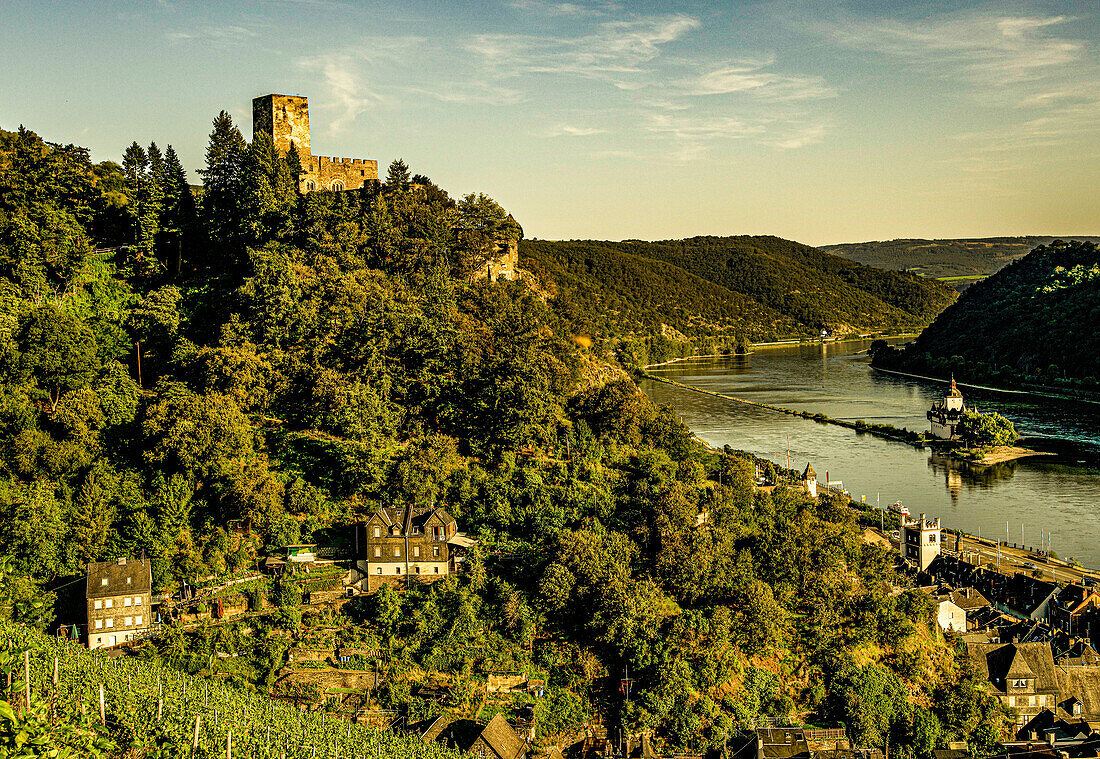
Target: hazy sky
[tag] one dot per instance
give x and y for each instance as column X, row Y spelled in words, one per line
column 817, row 121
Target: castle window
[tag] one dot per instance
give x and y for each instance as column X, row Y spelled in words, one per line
column 311, row 185
column 337, row 185
column 362, row 172
column 377, row 531
column 377, row 552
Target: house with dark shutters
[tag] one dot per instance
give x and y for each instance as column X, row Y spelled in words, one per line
column 397, row 546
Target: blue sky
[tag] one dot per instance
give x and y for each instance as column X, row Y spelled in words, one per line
column 817, row 121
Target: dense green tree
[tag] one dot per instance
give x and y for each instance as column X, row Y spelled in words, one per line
column 57, row 353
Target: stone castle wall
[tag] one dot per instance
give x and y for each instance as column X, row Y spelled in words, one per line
column 285, row 118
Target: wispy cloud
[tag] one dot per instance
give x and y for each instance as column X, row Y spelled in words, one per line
column 346, row 76
column 568, row 130
column 798, row 137
column 989, row 48
column 615, row 51
column 565, row 9
column 225, row 33
column 751, row 77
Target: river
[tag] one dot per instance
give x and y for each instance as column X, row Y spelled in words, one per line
column 1057, row 496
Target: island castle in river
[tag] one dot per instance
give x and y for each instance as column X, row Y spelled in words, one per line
column 285, row 119
column 945, row 414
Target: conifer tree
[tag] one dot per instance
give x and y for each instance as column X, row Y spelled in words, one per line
column 397, row 178
column 223, row 180
column 179, row 210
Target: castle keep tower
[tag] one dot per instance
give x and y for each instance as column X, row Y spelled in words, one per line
column 285, row 119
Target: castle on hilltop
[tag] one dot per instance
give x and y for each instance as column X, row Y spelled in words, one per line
column 285, row 119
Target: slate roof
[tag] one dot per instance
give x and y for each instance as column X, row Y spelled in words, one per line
column 139, row 571
column 968, row 599
column 414, row 517
column 999, row 662
column 809, row 473
column 1082, row 683
column 502, row 739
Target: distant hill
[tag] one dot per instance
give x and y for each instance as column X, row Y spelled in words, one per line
column 969, row 257
column 755, row 288
column 1034, row 321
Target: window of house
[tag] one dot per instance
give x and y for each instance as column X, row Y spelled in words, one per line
column 129, row 581
column 337, row 185
column 110, row 623
column 377, row 552
column 99, row 604
column 437, row 570
column 1031, row 700
column 99, row 624
column 377, row 531
column 416, row 552
column 418, row 570
column 435, row 550
column 396, row 552
column 103, row 582
column 379, row 570
column 127, row 601
column 129, row 621
column 137, row 600
column 109, row 603
column 111, row 640
column 932, row 538
column 311, row 185
column 398, row 571
column 137, row 621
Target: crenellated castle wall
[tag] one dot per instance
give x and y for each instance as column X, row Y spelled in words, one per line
column 285, row 118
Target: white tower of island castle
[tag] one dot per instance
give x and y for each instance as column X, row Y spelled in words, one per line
column 945, row 415
column 920, row 540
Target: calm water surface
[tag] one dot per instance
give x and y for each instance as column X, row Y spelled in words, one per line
column 1056, row 495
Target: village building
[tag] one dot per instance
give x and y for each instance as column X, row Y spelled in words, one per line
column 920, row 541
column 949, row 615
column 945, row 414
column 809, row 481
column 1074, row 609
column 1022, row 675
column 397, row 546
column 119, row 601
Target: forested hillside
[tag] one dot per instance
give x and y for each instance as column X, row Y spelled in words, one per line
column 203, row 383
column 721, row 289
column 942, row 258
column 1032, row 322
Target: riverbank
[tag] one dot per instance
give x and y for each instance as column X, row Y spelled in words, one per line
column 1046, row 393
column 988, row 457
column 780, row 344
column 1005, row 453
column 879, row 430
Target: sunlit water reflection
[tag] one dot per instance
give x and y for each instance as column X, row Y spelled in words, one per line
column 1059, row 495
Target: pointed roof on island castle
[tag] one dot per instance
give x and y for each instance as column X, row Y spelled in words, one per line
column 953, row 392
column 809, row 474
